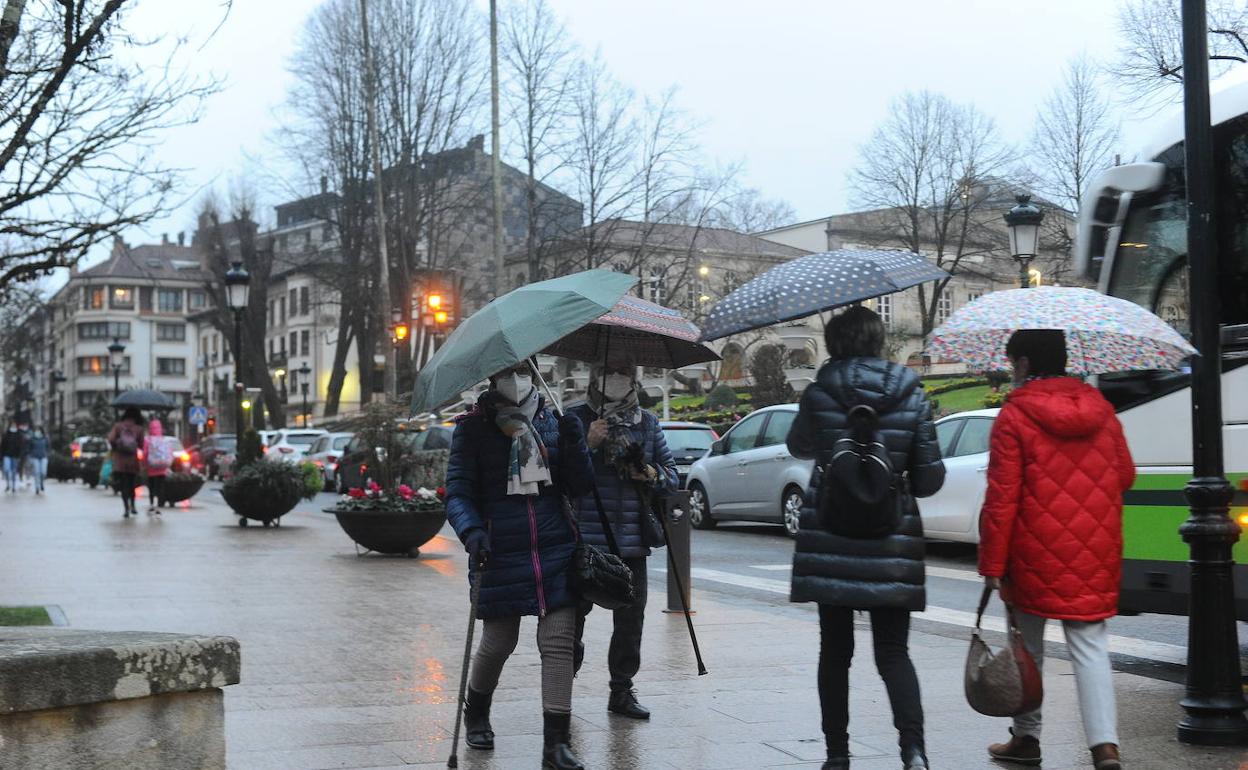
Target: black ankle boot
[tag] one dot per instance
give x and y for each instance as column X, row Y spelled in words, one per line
column 836, row 763
column 556, row 753
column 913, row 758
column 478, row 733
column 624, row 702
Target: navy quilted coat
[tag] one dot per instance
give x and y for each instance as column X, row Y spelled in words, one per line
column 620, row 499
column 1051, row 525
column 531, row 537
column 856, row 572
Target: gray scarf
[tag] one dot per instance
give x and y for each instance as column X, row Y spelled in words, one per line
column 526, row 464
column 621, row 416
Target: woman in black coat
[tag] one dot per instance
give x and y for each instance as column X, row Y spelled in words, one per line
column 883, row 575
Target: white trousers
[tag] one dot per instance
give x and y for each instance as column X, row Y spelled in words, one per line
column 1089, row 652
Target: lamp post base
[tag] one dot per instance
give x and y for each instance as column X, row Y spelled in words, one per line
column 1212, row 723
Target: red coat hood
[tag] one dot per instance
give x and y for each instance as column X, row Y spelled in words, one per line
column 1063, row 406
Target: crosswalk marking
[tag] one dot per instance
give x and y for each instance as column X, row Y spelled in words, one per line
column 940, row 572
column 1122, row 645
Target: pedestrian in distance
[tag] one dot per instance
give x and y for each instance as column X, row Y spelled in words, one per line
column 37, row 453
column 882, row 571
column 632, row 468
column 11, row 449
column 512, row 466
column 126, row 439
column 157, row 457
column 1051, row 529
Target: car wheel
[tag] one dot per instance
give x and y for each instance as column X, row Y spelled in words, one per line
column 791, row 509
column 699, row 507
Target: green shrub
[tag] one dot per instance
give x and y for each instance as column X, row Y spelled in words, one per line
column 722, row 397
column 426, row 468
column 313, row 480
column 937, row 387
column 250, row 449
column 995, row 399
column 262, row 487
column 770, row 385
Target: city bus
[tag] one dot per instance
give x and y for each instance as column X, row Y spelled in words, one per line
column 1132, row 242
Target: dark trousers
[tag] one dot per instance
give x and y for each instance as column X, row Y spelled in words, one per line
column 890, row 631
column 124, row 483
column 155, row 489
column 624, row 655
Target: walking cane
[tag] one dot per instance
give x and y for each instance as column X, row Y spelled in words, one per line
column 453, row 761
column 684, row 599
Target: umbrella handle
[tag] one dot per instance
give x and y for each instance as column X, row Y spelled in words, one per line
column 550, row 395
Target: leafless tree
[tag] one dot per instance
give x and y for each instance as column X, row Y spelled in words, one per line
column 1074, row 137
column 1150, row 62
column 78, row 122
column 539, row 63
column 747, row 210
column 928, row 178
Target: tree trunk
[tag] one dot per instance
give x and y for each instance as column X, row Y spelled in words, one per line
column 10, row 25
column 338, row 374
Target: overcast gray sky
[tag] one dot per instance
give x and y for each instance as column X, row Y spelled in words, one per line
column 790, row 87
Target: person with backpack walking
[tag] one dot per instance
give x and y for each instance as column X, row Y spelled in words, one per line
column 632, row 467
column 1051, row 529
column 157, row 457
column 512, row 466
column 11, row 449
column 37, row 452
column 126, row 439
column 868, row 425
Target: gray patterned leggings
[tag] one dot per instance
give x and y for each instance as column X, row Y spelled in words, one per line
column 555, row 634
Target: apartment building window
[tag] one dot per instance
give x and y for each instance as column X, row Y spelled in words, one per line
column 145, row 298
column 272, row 306
column 294, row 303
column 281, row 310
column 86, row 398
column 884, row 306
column 171, row 332
column 121, row 298
column 294, row 342
column 303, row 300
column 272, row 348
column 171, row 367
column 281, row 242
column 657, row 287
column 307, row 240
column 208, row 357
column 93, row 297
column 104, row 330
column 971, row 296
column 944, row 307
column 99, row 365
column 305, row 342
column 198, row 299
column 282, row 346
column 169, row 300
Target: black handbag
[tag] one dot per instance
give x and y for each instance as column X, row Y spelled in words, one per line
column 597, row 576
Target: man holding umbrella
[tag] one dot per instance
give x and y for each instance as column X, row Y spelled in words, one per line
column 632, row 466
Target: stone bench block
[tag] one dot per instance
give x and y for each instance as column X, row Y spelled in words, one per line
column 73, row 699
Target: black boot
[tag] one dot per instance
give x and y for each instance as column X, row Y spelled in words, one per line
column 836, row 763
column 624, row 703
column 556, row 753
column 478, row 733
column 913, row 758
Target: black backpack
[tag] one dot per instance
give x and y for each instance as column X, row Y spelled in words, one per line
column 858, row 494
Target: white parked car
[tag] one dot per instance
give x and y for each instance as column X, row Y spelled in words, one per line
column 953, row 512
column 290, row 445
column 326, row 452
column 749, row 475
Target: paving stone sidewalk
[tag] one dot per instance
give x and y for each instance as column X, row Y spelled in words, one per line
column 353, row 662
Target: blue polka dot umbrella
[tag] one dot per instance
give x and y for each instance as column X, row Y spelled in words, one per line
column 814, row 283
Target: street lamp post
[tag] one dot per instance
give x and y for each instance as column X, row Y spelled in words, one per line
column 115, row 360
column 55, row 402
column 1023, row 222
column 304, row 372
column 1214, row 700
column 237, row 292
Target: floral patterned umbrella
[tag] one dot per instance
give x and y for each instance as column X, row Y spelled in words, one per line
column 1103, row 334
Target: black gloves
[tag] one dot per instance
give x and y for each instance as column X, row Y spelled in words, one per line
column 570, row 429
column 477, row 543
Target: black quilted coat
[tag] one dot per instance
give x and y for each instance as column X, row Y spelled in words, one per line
column 866, row 573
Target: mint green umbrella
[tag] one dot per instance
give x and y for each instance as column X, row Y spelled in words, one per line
column 513, row 327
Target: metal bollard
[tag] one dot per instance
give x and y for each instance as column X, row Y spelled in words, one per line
column 678, row 562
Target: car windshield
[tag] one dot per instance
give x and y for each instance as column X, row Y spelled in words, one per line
column 225, row 443
column 688, row 440
column 341, row 442
column 303, row 439
column 94, row 445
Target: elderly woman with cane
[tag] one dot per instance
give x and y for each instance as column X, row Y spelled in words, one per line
column 512, row 465
column 632, row 466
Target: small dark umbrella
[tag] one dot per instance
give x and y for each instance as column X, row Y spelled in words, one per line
column 814, row 283
column 653, row 335
column 143, row 399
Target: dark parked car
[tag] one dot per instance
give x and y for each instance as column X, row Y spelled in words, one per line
column 688, row 442
column 355, row 462
column 206, row 456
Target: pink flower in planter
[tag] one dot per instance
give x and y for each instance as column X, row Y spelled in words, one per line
column 405, row 492
column 374, row 488
column 355, row 492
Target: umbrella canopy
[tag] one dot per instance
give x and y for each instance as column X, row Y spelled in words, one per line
column 143, row 399
column 814, row 283
column 513, row 327
column 1103, row 334
column 654, row 335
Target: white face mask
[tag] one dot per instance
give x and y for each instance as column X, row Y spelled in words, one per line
column 617, row 387
column 514, row 387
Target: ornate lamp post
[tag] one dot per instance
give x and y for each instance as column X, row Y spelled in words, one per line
column 304, row 372
column 116, row 359
column 1023, row 222
column 237, row 292
column 56, row 401
column 1215, row 699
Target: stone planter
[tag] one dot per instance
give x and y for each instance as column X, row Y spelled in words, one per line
column 391, row 532
column 266, row 509
column 177, row 490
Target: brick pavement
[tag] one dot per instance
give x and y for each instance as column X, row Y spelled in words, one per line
column 353, row 662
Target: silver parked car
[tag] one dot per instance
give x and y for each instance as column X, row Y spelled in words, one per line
column 749, row 475
column 953, row 512
column 326, row 452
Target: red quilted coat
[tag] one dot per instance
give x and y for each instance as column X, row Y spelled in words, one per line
column 1051, row 525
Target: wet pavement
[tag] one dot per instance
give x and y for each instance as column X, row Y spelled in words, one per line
column 353, row 661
